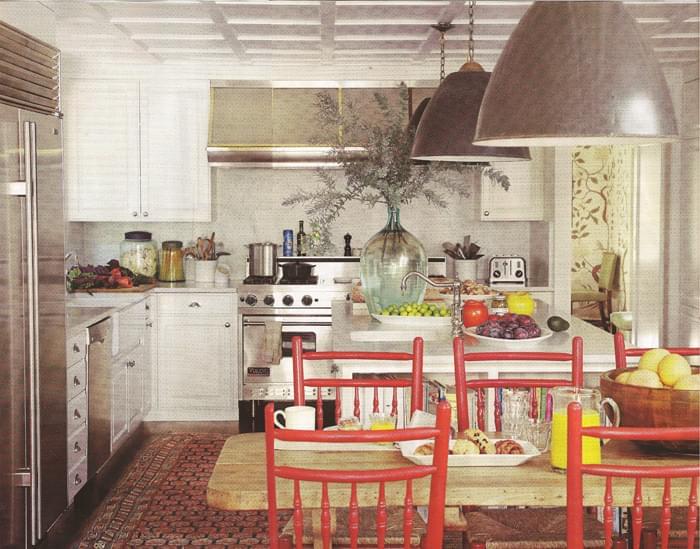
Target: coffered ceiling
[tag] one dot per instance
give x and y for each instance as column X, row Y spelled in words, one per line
column 320, row 32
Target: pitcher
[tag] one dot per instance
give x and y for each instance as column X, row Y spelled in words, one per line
column 591, row 405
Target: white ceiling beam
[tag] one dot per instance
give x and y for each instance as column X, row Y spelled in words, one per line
column 327, row 15
column 227, row 32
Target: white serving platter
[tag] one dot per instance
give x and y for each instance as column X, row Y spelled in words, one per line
column 546, row 333
column 414, row 321
column 472, row 460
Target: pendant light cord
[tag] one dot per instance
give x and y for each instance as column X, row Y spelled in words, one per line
column 442, row 56
column 470, row 47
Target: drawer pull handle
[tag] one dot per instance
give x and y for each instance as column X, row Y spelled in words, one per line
column 76, row 447
column 149, row 324
column 134, row 214
column 76, row 348
column 131, row 363
column 227, row 325
column 76, row 414
column 148, row 307
column 77, row 481
column 486, row 213
column 76, row 381
column 145, row 214
column 195, row 305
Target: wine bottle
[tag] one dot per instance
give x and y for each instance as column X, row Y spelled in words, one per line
column 301, row 240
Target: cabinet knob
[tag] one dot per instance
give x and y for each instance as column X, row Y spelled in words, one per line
column 76, row 381
column 148, row 307
column 149, row 324
column 76, row 348
column 145, row 214
column 77, row 481
column 135, row 214
column 227, row 325
column 195, row 305
column 76, row 414
column 131, row 363
column 486, row 213
column 76, row 447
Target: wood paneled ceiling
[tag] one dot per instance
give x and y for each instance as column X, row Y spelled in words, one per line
column 324, row 32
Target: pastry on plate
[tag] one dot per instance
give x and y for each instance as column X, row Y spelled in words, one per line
column 425, row 449
column 464, row 447
column 509, row 446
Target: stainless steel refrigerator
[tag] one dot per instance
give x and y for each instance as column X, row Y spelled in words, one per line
column 32, row 317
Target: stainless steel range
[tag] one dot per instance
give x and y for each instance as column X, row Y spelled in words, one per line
column 272, row 311
column 270, row 315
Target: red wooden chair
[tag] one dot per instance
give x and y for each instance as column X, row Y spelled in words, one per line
column 300, row 382
column 575, row 471
column 357, row 528
column 531, row 527
column 463, row 385
column 621, row 353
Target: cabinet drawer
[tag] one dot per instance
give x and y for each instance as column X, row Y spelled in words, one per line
column 76, row 379
column 77, row 477
column 196, row 304
column 132, row 326
column 77, row 413
column 77, row 447
column 76, row 348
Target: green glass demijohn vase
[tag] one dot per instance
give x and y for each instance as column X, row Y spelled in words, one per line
column 385, row 259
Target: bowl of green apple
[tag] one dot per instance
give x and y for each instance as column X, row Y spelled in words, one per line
column 415, row 314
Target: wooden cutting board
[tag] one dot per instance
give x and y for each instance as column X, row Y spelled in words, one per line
column 138, row 289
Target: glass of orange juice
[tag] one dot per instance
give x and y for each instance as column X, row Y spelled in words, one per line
column 591, row 404
column 381, row 422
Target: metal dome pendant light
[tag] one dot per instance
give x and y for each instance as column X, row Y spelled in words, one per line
column 576, row 73
column 446, row 129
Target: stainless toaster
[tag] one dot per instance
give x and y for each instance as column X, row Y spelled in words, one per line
column 507, row 270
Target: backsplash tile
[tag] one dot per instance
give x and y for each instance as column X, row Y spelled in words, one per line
column 246, row 207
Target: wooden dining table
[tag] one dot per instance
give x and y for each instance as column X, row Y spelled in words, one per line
column 238, row 479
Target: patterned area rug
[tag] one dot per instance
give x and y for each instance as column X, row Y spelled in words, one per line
column 161, row 501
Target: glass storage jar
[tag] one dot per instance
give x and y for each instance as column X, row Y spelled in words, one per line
column 139, row 253
column 171, row 265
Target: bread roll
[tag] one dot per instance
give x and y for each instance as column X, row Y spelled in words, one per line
column 465, row 447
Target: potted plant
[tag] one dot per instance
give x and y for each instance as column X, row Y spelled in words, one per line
column 384, row 174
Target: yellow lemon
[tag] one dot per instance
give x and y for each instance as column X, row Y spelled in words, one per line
column 645, row 378
column 622, row 378
column 672, row 368
column 650, row 360
column 688, row 383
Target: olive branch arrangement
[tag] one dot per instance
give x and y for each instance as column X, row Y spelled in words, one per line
column 384, row 174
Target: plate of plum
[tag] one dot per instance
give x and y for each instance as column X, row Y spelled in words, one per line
column 510, row 328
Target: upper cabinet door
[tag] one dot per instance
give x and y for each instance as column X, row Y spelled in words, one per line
column 174, row 171
column 101, row 148
column 524, row 200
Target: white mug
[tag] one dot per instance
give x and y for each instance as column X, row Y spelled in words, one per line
column 297, row 417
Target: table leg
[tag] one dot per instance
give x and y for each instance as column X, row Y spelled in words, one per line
column 316, row 527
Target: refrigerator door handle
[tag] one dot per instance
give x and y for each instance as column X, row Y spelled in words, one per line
column 30, row 175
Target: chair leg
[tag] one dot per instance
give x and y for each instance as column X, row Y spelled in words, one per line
column 603, row 322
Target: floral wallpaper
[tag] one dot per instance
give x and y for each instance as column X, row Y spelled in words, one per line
column 601, row 219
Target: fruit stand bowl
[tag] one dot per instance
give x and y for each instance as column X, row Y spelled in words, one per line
column 647, row 407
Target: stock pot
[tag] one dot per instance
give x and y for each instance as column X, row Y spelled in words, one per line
column 262, row 259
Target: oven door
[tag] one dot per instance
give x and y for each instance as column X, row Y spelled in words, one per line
column 266, row 347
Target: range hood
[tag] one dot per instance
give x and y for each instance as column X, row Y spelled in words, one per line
column 276, row 123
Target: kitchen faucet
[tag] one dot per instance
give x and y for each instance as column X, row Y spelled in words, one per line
column 456, row 286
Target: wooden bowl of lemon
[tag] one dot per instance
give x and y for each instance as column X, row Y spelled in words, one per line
column 660, row 392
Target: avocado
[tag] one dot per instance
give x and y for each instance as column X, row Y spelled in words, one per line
column 557, row 324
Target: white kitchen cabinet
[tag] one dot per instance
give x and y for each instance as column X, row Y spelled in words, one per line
column 195, row 369
column 120, row 404
column 136, row 151
column 101, row 149
column 135, row 377
column 524, row 200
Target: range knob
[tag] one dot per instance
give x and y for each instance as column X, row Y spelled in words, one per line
column 518, row 273
column 496, row 274
column 288, row 300
column 307, row 300
column 251, row 300
column 269, row 300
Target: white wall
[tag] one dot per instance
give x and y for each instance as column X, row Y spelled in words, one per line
column 31, row 17
column 247, row 207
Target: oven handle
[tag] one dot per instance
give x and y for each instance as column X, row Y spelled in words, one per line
column 285, row 323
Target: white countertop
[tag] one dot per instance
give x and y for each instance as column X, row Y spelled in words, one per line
column 84, row 309
column 362, row 332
